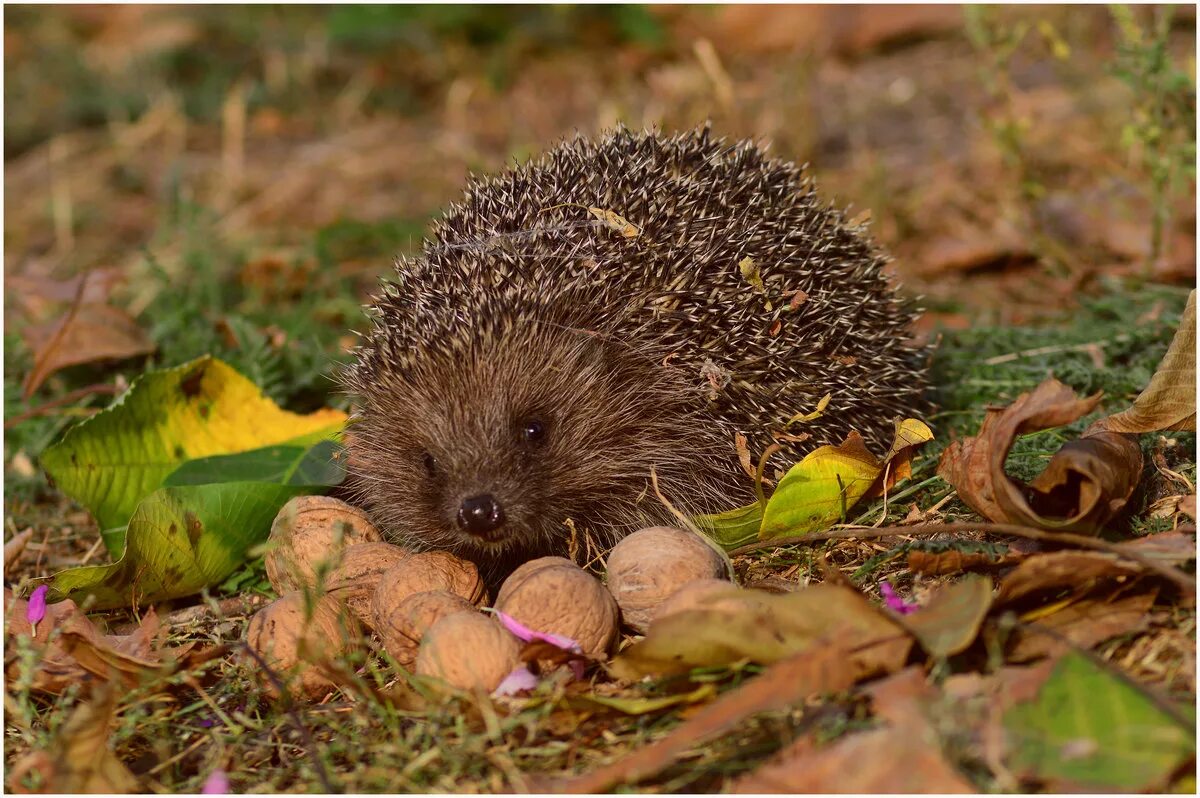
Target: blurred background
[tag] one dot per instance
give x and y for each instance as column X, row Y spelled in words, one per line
column 235, row 180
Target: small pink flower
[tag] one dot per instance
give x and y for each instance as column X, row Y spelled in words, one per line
column 894, row 602
column 217, row 783
column 36, row 610
column 519, row 681
column 525, row 633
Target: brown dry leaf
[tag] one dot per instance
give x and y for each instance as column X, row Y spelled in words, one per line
column 827, row 667
column 15, row 545
column 1086, row 482
column 940, row 563
column 1083, row 624
column 765, row 628
column 1175, row 548
column 752, row 30
column 38, row 295
column 1052, row 573
column 87, row 333
column 78, row 651
column 866, row 762
column 950, row 621
column 614, row 221
column 80, row 761
column 1169, row 401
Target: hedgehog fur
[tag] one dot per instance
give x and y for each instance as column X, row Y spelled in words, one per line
column 615, row 307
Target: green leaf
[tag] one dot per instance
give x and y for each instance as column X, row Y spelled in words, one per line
column 1088, row 729
column 316, row 466
column 181, row 540
column 732, row 528
column 819, row 490
column 113, row 460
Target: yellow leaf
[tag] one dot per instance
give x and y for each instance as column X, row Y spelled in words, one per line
column 1169, row 401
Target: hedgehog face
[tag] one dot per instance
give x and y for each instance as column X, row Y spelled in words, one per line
column 498, row 451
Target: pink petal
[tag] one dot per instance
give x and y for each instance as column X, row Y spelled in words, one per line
column 525, row 633
column 217, row 783
column 37, row 605
column 519, row 681
column 894, row 602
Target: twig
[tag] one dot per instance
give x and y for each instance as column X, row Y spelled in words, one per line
column 1045, row 350
column 1185, row 581
column 102, row 388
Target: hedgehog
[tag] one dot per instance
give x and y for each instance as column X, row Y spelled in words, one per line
column 591, row 343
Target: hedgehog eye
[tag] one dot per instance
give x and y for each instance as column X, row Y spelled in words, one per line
column 431, row 464
column 533, row 430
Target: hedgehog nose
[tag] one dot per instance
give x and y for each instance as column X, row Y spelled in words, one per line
column 480, row 515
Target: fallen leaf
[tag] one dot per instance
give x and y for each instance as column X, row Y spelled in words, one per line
column 79, row 759
column 1175, row 548
column 950, row 619
column 1086, row 482
column 86, row 334
column 1088, row 730
column 866, row 762
column 72, row 649
column 732, row 528
column 114, row 459
column 1049, row 574
column 15, row 545
column 827, row 667
column 616, row 222
column 1082, row 624
column 953, row 561
column 764, row 628
column 821, row 488
column 1169, row 401
column 39, row 296
column 641, row 705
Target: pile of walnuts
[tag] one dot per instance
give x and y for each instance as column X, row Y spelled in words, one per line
column 336, row 577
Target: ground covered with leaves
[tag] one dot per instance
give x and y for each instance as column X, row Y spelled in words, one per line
column 225, row 187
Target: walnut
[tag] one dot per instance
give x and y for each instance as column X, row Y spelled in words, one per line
column 468, row 650
column 293, row 642
column 310, row 530
column 356, row 577
column 555, row 595
column 647, row 567
column 401, row 618
column 436, row 570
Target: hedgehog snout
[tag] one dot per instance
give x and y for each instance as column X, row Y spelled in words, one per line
column 481, row 516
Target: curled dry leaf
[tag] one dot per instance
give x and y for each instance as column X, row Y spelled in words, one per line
column 72, row 648
column 1169, row 401
column 1086, row 482
column 87, row 333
